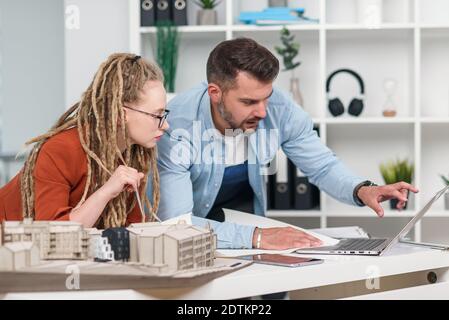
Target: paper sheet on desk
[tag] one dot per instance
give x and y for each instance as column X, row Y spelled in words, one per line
column 343, row 232
column 263, row 222
column 186, row 218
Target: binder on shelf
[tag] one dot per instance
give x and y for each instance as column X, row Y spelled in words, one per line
column 289, row 188
column 147, row 13
column 163, row 8
column 306, row 196
column 269, row 195
column 269, row 190
column 179, row 12
column 281, row 192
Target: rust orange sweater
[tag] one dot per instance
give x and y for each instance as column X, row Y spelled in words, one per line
column 60, row 177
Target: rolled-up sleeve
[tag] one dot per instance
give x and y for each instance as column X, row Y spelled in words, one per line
column 229, row 235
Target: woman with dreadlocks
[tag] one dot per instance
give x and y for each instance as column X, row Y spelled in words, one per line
column 101, row 146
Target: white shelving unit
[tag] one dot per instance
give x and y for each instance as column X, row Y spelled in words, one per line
column 411, row 46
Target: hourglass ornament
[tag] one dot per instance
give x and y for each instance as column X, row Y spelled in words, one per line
column 390, row 108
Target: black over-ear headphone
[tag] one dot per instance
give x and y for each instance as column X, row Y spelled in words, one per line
column 335, row 105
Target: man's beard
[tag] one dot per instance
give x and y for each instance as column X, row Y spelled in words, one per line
column 227, row 116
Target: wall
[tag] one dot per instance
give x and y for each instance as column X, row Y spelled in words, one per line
column 32, row 51
column 47, row 60
column 103, row 29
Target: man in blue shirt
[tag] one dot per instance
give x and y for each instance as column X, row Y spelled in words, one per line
column 225, row 132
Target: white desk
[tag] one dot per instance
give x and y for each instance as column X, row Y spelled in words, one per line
column 404, row 266
column 437, row 291
column 338, row 277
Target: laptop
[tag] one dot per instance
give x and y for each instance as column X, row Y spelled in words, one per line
column 372, row 246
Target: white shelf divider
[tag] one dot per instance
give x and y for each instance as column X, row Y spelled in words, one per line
column 417, row 99
column 322, row 101
column 229, row 17
column 190, row 29
column 370, row 120
column 434, row 120
column 384, row 26
column 134, row 27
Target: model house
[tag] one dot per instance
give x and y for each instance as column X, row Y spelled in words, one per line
column 170, row 248
column 118, row 239
column 99, row 247
column 55, row 239
column 17, row 255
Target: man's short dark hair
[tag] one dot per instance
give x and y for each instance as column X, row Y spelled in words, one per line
column 241, row 54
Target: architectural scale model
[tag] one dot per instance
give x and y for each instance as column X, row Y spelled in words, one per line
column 55, row 239
column 155, row 246
column 171, row 248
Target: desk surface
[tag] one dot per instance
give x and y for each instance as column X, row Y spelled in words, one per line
column 437, row 291
column 260, row 279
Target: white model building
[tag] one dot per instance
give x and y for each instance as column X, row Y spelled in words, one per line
column 171, row 248
column 55, row 239
column 163, row 248
column 17, row 255
column 99, row 246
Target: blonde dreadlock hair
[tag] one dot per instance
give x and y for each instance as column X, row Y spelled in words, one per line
column 99, row 118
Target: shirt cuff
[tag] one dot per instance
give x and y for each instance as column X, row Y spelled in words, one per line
column 355, row 196
column 245, row 235
column 229, row 235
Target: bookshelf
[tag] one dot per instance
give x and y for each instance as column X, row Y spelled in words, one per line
column 411, row 46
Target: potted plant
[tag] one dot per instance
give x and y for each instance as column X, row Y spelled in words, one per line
column 446, row 196
column 396, row 171
column 207, row 15
column 289, row 51
column 167, row 52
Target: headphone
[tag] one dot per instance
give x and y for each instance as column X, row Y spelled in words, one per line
column 335, row 105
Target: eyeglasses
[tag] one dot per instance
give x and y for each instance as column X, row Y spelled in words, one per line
column 161, row 118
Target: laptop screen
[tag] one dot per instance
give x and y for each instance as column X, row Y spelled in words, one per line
column 416, row 218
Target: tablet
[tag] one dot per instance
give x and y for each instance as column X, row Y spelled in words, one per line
column 281, row 260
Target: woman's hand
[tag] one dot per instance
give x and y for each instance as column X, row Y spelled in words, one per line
column 123, row 176
column 284, row 238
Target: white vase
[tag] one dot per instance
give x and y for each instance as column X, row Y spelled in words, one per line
column 296, row 91
column 206, row 17
column 277, row 3
column 446, row 201
column 369, row 12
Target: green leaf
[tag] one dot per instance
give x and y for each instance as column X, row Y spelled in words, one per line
column 167, row 52
column 445, row 180
column 395, row 171
column 289, row 50
column 207, row 4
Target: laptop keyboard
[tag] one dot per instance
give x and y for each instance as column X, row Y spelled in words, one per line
column 360, row 244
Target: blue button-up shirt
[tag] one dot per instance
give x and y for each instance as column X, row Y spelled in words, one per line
column 191, row 160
